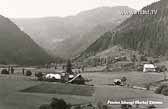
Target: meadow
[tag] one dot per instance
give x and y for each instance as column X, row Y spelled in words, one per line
column 11, row 96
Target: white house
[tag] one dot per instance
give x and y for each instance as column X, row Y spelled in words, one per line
column 149, row 68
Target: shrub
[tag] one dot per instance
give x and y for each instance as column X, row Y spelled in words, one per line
column 165, row 91
column 161, row 68
column 4, row 71
column 39, row 75
column 160, row 88
column 28, row 73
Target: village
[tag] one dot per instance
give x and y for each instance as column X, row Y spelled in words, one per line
column 96, row 81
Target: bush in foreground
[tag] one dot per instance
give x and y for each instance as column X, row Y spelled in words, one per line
column 55, row 104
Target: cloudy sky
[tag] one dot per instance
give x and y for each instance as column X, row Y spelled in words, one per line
column 62, row 8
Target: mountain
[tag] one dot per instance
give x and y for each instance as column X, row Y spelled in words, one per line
column 68, row 36
column 16, row 47
column 147, row 34
column 100, row 44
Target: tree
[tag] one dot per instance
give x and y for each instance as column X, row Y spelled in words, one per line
column 69, row 67
column 12, row 70
column 133, row 59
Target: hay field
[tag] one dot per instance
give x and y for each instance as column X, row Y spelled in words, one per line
column 12, row 98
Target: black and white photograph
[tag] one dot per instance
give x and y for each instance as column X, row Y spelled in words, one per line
column 83, row 54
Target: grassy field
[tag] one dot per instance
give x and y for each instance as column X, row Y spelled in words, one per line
column 61, row 88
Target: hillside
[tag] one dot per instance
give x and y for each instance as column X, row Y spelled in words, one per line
column 99, row 45
column 70, row 35
column 16, row 47
column 144, row 33
column 75, row 45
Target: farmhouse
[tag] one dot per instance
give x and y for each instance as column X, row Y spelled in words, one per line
column 149, row 68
